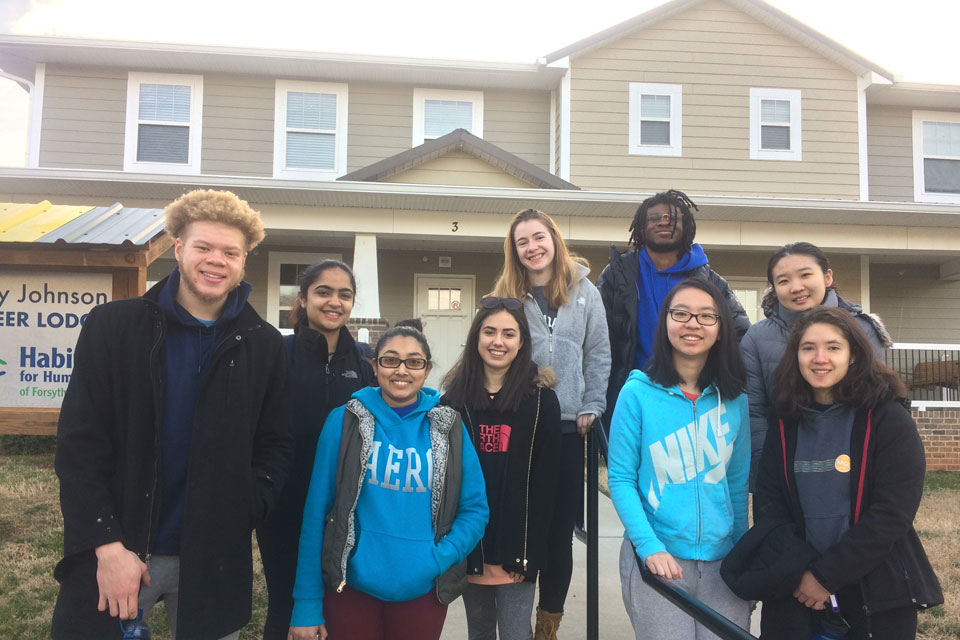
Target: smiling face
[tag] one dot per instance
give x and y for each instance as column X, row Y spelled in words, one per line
column 399, row 387
column 535, row 248
column 329, row 301
column 800, row 282
column 211, row 256
column 499, row 341
column 824, row 358
column 660, row 234
column 690, row 339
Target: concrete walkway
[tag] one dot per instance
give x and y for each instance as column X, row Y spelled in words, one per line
column 614, row 623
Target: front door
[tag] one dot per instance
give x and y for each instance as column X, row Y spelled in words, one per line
column 445, row 304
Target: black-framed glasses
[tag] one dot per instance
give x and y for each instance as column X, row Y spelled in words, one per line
column 493, row 302
column 703, row 319
column 393, row 362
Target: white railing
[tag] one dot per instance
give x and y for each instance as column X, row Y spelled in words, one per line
column 931, row 373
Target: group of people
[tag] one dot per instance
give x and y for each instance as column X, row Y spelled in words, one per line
column 377, row 501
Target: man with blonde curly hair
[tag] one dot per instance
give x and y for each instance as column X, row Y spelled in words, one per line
column 173, row 441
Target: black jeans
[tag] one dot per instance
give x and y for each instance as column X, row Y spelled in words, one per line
column 555, row 575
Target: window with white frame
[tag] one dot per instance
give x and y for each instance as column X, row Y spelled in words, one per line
column 655, row 119
column 283, row 283
column 162, row 132
column 936, row 156
column 775, row 117
column 310, row 130
column 437, row 112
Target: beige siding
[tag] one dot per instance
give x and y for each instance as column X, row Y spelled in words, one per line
column 915, row 304
column 380, row 123
column 717, row 54
column 519, row 122
column 84, row 109
column 458, row 168
column 890, row 153
column 237, row 126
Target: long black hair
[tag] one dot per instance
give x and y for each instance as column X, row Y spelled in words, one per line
column 869, row 381
column 298, row 314
column 724, row 366
column 680, row 206
column 464, row 383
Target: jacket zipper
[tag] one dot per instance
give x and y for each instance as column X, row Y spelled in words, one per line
column 353, row 510
column 696, row 475
column 473, row 433
column 526, row 495
column 156, row 442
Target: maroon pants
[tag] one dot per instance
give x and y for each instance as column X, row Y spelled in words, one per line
column 354, row 615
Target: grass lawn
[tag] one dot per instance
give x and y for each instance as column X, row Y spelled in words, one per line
column 31, row 541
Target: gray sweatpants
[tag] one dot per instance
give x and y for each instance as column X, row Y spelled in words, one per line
column 655, row 617
column 165, row 585
column 506, row 607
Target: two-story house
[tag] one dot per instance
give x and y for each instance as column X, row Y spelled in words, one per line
column 411, row 168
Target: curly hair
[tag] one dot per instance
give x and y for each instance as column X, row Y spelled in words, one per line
column 680, row 205
column 208, row 205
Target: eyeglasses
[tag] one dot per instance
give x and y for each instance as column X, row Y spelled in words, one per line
column 703, row 319
column 657, row 218
column 493, row 302
column 393, row 362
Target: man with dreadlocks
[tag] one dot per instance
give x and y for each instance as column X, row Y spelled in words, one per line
column 662, row 254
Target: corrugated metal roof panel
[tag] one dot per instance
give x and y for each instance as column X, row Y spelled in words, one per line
column 29, row 222
column 44, row 222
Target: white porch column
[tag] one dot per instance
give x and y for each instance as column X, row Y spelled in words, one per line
column 865, row 283
column 367, row 304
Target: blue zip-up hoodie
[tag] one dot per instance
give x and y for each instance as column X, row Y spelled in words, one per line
column 188, row 349
column 678, row 469
column 652, row 289
column 395, row 558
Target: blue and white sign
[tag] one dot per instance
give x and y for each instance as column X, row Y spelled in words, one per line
column 40, row 318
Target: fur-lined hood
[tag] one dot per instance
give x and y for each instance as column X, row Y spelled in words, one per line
column 545, row 377
column 774, row 310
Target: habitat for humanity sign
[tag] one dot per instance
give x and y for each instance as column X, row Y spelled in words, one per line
column 40, row 319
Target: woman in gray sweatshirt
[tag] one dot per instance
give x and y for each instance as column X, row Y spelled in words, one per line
column 568, row 327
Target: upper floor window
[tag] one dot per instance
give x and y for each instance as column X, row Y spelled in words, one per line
column 163, row 123
column 775, row 132
column 936, row 156
column 310, row 131
column 655, row 119
column 437, row 112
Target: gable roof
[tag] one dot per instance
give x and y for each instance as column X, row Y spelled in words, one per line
column 759, row 10
column 459, row 140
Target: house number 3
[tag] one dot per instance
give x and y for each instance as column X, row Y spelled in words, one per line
column 456, row 227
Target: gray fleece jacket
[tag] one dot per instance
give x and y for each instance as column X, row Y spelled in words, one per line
column 762, row 347
column 578, row 349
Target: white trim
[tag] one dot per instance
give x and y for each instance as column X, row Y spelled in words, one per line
column 675, row 92
column 923, row 405
column 274, row 260
column 420, row 96
column 919, row 192
column 130, row 163
column 795, row 152
column 865, row 283
column 565, row 123
column 36, row 116
column 920, row 346
column 553, row 132
column 863, row 82
column 280, row 130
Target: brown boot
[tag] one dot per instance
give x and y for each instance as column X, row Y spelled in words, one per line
column 547, row 625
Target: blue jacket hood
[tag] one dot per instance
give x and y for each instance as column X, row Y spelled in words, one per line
column 167, row 300
column 372, row 399
column 689, row 261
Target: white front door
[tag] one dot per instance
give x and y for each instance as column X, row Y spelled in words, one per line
column 445, row 304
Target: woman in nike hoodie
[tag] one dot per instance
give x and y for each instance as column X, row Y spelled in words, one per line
column 396, row 502
column 679, row 461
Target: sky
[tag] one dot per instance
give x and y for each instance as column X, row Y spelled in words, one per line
column 916, row 40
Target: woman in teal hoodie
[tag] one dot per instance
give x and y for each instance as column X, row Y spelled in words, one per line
column 679, row 461
column 396, row 502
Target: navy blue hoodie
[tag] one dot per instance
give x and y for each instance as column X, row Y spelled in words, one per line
column 189, row 346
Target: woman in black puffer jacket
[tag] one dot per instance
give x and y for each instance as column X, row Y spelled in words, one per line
column 800, row 278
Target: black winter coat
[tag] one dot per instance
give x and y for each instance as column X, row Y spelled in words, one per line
column 881, row 550
column 528, row 486
column 108, row 462
column 618, row 288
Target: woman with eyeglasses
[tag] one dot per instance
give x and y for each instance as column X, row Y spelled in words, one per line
column 396, row 502
column 513, row 419
column 568, row 332
column 842, row 470
column 325, row 369
column 800, row 278
column 678, row 464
